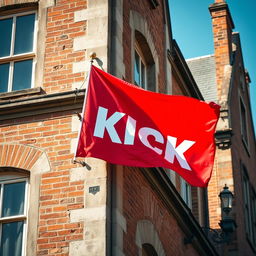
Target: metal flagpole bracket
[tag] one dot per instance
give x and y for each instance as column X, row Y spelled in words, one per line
column 93, row 56
column 83, row 163
column 79, row 116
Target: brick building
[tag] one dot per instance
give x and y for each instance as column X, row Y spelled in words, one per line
column 51, row 206
column 223, row 78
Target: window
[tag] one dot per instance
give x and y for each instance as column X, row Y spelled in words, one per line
column 243, row 122
column 242, row 78
column 253, row 205
column 148, row 250
column 13, row 210
column 172, row 176
column 139, row 71
column 143, row 66
column 249, row 197
column 17, row 51
column 246, row 195
column 185, row 191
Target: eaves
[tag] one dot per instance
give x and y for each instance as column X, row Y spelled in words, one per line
column 176, row 206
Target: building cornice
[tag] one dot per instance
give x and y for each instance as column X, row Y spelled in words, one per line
column 177, row 60
column 41, row 104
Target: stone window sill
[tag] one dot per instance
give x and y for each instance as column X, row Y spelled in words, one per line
column 21, row 93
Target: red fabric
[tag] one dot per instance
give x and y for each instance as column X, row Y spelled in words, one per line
column 187, row 120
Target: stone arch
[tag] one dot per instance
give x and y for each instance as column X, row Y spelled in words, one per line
column 33, row 161
column 147, row 234
column 23, row 157
column 138, row 23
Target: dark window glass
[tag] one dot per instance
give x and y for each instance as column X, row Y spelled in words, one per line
column 244, row 121
column 24, row 34
column 143, row 76
column 13, row 199
column 22, row 74
column 4, row 77
column 148, row 250
column 11, row 239
column 137, row 69
column 5, row 37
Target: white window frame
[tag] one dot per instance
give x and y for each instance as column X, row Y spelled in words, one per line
column 186, row 192
column 20, row 57
column 16, row 218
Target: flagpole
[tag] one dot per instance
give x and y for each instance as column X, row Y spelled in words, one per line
column 92, row 56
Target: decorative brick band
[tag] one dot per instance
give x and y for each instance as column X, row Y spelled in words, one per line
column 19, row 156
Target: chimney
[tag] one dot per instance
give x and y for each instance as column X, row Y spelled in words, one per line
column 222, row 33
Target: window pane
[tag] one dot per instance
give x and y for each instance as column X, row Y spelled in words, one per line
column 244, row 125
column 5, row 37
column 11, row 239
column 4, row 77
column 137, row 69
column 143, row 76
column 24, row 34
column 13, row 199
column 22, row 75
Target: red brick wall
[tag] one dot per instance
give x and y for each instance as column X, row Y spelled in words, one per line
column 59, row 54
column 240, row 154
column 222, row 31
column 52, row 134
column 141, row 202
column 228, row 162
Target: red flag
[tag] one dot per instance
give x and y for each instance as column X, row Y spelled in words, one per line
column 124, row 124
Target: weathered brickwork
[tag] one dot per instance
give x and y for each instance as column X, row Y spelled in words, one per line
column 232, row 89
column 51, row 134
column 222, row 29
column 70, row 221
column 141, row 202
column 59, row 53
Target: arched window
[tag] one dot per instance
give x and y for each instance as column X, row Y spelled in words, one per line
column 147, row 239
column 144, row 65
column 14, row 186
column 148, row 250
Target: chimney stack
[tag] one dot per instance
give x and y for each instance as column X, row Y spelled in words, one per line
column 223, row 25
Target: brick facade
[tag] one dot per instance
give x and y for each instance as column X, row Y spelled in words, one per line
column 39, row 127
column 232, row 88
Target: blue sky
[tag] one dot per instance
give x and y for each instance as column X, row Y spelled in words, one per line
column 192, row 29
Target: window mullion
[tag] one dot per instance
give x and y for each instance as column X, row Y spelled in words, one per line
column 26, row 198
column 23, row 253
column 141, row 74
column 10, row 76
column 1, row 199
column 1, row 233
column 13, row 35
column 33, row 73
